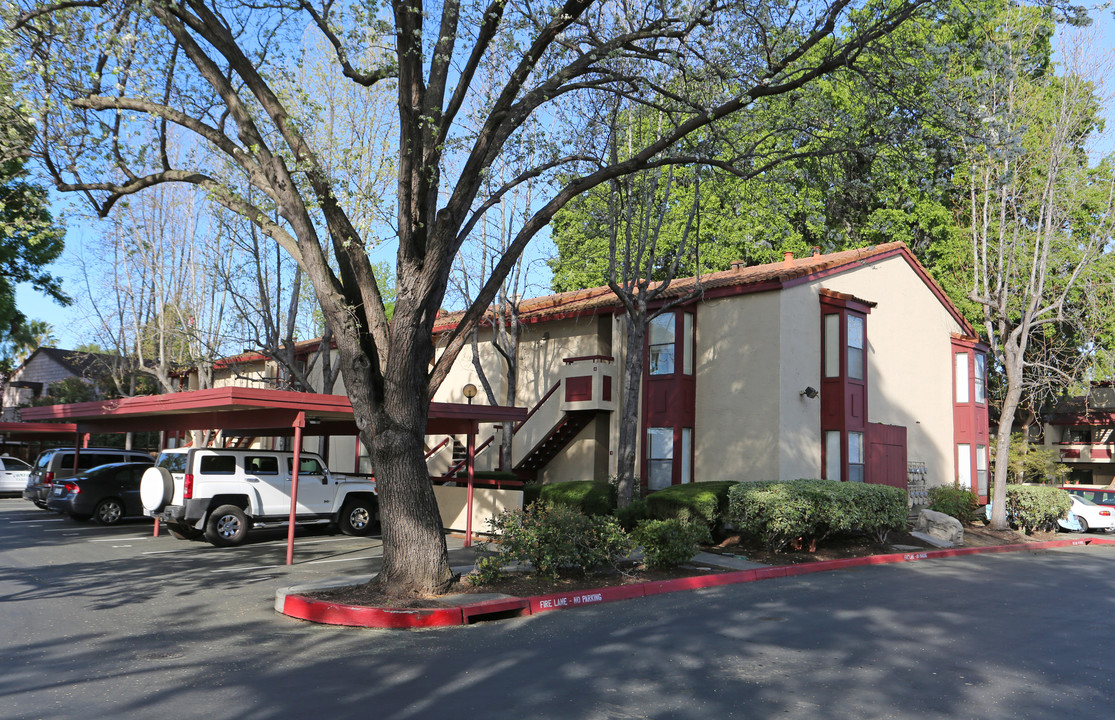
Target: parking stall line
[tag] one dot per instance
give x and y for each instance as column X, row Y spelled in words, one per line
column 39, row 520
column 245, row 569
column 339, row 560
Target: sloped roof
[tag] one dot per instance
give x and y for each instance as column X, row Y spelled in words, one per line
column 739, row 280
column 76, row 362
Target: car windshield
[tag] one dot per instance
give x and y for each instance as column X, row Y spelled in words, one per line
column 1085, row 501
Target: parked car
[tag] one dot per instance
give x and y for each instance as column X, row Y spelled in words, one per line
column 58, row 464
column 1099, row 494
column 222, row 493
column 13, row 474
column 107, row 493
column 1091, row 516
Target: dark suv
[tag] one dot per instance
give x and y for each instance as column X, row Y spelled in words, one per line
column 58, row 463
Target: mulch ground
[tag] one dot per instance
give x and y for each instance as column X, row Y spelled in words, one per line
column 529, row 585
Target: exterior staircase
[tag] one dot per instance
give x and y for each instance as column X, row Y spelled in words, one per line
column 586, row 388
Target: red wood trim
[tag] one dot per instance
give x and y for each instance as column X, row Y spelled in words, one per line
column 578, row 389
column 534, row 409
column 606, row 358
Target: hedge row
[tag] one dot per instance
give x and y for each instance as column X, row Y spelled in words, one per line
column 808, row 511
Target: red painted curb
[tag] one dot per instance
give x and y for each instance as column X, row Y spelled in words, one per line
column 304, row 608
column 563, row 601
column 329, row 613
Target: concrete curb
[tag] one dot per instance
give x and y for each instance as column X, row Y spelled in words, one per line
column 289, row 601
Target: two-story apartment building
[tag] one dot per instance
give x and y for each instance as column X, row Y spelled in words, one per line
column 852, row 365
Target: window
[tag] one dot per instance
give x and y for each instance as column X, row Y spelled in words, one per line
column 981, row 469
column 964, row 465
column 686, row 455
column 662, row 345
column 174, row 462
column 832, row 455
column 217, row 465
column 1078, row 434
column 855, row 457
column 660, row 457
column 962, row 377
column 855, row 347
column 687, row 348
column 306, row 466
column 981, row 378
column 261, row 464
column 832, row 345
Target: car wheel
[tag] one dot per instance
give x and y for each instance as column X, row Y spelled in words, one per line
column 184, row 532
column 358, row 518
column 109, row 511
column 1083, row 524
column 226, row 526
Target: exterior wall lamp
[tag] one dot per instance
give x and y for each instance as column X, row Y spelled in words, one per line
column 470, row 392
column 809, row 392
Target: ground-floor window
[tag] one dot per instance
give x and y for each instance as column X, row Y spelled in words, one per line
column 964, row 465
column 661, row 442
column 686, row 455
column 855, row 457
column 660, row 457
column 981, row 469
column 833, row 455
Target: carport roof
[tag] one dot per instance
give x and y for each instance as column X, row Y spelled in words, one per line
column 250, row 411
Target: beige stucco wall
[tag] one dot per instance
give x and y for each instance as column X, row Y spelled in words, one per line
column 909, row 359
column 737, row 369
column 452, row 502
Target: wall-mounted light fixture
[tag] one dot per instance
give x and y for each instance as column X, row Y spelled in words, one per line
column 470, row 392
column 809, row 392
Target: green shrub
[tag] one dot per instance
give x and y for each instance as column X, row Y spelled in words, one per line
column 629, row 517
column 1036, row 507
column 556, row 538
column 954, row 501
column 591, row 498
column 706, row 502
column 669, row 543
column 808, row 511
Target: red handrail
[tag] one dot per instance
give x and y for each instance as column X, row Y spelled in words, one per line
column 437, row 447
column 476, row 452
column 535, row 409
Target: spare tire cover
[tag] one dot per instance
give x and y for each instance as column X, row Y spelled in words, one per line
column 156, row 489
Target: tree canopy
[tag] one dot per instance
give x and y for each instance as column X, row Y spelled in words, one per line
column 114, row 80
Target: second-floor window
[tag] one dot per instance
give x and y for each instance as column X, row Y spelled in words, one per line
column 662, row 345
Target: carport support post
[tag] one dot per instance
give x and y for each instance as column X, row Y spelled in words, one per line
column 299, row 423
column 471, row 467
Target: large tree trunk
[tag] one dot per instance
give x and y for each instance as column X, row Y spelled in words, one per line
column 1013, row 369
column 629, row 421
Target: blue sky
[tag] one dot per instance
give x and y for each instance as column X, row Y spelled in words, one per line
column 71, row 330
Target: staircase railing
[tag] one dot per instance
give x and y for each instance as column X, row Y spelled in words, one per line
column 585, row 383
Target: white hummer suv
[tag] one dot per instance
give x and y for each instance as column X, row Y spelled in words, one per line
column 221, row 494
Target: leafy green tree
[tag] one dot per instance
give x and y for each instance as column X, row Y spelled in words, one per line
column 1038, row 218
column 869, row 158
column 466, row 79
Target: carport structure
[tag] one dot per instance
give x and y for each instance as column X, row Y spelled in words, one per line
column 262, row 413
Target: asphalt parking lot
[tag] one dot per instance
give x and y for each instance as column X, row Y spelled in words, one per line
column 110, row 622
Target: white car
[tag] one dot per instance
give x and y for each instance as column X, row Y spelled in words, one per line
column 1092, row 516
column 13, row 474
